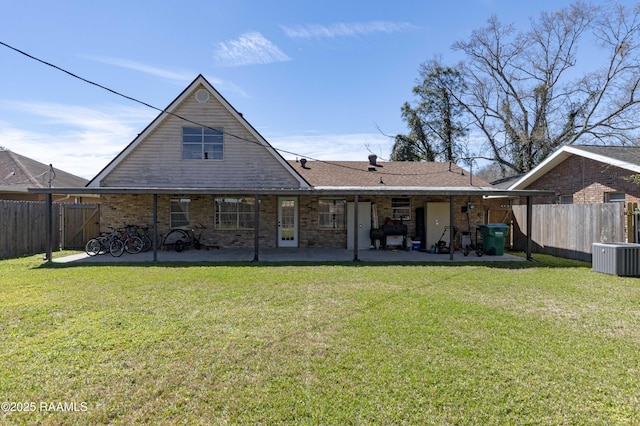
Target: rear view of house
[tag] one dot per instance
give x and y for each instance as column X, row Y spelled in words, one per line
column 201, row 162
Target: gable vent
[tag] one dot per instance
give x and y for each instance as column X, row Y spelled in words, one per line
column 202, row 96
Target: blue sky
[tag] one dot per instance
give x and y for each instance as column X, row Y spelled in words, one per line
column 324, row 79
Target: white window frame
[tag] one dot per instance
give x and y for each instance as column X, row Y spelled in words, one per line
column 332, row 213
column 241, row 215
column 202, row 143
column 179, row 212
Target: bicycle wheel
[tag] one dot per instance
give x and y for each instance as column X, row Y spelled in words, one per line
column 133, row 244
column 147, row 243
column 93, row 247
column 116, row 248
column 104, row 244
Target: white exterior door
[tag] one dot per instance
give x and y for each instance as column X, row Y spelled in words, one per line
column 364, row 225
column 436, row 218
column 287, row 222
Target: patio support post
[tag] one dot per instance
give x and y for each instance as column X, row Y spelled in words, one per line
column 49, row 249
column 529, row 222
column 355, row 230
column 256, row 226
column 155, row 227
column 451, row 229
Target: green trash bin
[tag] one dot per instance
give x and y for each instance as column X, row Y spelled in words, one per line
column 493, row 236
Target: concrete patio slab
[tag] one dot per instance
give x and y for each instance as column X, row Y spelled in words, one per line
column 288, row 255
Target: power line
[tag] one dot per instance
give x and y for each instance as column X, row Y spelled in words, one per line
column 165, row 111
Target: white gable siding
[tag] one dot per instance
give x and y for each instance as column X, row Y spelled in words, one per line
column 157, row 160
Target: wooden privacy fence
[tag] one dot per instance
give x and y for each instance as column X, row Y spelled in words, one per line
column 23, row 227
column 569, row 230
column 80, row 222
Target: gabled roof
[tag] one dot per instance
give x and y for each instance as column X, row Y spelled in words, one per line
column 625, row 157
column 317, row 177
column 505, row 182
column 410, row 174
column 170, row 110
column 17, row 173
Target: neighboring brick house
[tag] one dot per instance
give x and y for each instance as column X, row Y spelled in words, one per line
column 200, row 161
column 18, row 173
column 586, row 174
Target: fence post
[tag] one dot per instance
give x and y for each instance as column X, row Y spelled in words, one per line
column 256, row 226
column 632, row 223
column 49, row 218
column 452, row 231
column 529, row 227
column 355, row 231
column 155, row 227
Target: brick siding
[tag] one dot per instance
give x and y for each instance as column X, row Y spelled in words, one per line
column 118, row 210
column 587, row 180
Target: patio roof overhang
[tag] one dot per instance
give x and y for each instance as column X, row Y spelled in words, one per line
column 356, row 191
column 319, row 190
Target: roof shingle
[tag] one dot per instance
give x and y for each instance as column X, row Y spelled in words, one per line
column 393, row 174
column 17, row 173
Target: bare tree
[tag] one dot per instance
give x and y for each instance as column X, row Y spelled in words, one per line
column 526, row 96
column 490, row 172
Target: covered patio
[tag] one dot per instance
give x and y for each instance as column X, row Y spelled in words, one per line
column 288, row 255
column 300, row 253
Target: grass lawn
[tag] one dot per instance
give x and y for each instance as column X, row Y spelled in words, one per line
column 549, row 342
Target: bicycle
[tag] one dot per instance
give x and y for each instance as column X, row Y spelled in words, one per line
column 132, row 243
column 105, row 243
column 143, row 232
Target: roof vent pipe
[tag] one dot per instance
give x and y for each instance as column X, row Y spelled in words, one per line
column 373, row 159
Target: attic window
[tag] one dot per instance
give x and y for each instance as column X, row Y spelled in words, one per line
column 202, row 143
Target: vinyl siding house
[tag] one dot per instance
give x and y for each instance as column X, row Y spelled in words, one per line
column 201, row 162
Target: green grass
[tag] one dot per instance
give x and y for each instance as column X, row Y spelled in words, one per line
column 549, row 342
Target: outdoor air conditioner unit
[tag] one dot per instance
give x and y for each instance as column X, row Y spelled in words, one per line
column 621, row 259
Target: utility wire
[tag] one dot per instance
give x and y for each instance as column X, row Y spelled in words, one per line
column 30, row 179
column 165, row 111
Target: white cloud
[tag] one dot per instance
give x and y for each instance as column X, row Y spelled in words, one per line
column 77, row 140
column 180, row 76
column 177, row 76
column 249, row 49
column 310, row 31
